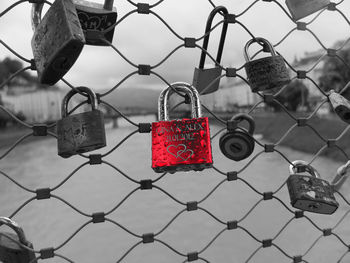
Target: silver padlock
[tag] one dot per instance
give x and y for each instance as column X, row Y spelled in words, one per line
column 340, row 105
column 57, row 41
column 302, row 8
column 11, row 251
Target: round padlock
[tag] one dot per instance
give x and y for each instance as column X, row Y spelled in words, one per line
column 238, row 143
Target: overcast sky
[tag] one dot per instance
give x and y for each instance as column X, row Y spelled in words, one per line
column 144, row 39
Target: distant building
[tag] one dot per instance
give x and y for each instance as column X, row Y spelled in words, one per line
column 37, row 105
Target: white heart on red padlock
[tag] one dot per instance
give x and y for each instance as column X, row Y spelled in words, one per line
column 182, row 153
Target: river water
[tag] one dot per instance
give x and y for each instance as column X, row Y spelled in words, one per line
column 50, row 222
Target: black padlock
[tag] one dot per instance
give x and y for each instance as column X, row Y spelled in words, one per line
column 81, row 132
column 268, row 72
column 57, row 41
column 207, row 80
column 238, row 143
column 11, row 251
column 95, row 18
column 340, row 105
column 301, row 8
column 310, row 192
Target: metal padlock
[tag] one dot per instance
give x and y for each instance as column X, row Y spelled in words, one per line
column 310, row 192
column 267, row 72
column 57, row 41
column 82, row 132
column 11, row 251
column 95, row 18
column 207, row 80
column 340, row 105
column 302, row 8
column 238, row 143
column 180, row 145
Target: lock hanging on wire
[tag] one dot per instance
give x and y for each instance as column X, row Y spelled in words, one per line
column 340, row 105
column 11, row 250
column 238, row 143
column 94, row 18
column 57, row 41
column 180, row 145
column 207, row 80
column 268, row 72
column 303, row 8
column 310, row 192
column 341, row 176
column 82, row 132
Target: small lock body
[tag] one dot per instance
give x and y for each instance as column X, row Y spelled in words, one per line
column 57, row 41
column 207, row 80
column 11, row 251
column 311, row 193
column 340, row 105
column 181, row 145
column 237, row 143
column 82, row 132
column 95, row 17
column 301, row 8
column 265, row 73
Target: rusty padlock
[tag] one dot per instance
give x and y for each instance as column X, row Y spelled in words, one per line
column 57, row 41
column 340, row 105
column 11, row 250
column 310, row 192
column 82, row 132
column 268, row 72
column 180, row 145
column 94, row 18
column 238, row 143
column 207, row 80
column 302, row 8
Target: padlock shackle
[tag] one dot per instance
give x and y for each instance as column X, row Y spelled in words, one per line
column 36, row 14
column 90, row 93
column 207, row 35
column 243, row 116
column 19, row 231
column 108, row 5
column 260, row 40
column 308, row 168
column 163, row 106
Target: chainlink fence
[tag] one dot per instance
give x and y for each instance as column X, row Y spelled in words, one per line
column 227, row 177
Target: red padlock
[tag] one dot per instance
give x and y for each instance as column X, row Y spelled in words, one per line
column 180, row 145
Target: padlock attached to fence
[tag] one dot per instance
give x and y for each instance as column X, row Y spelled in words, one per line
column 268, row 72
column 57, row 41
column 238, row 143
column 302, row 8
column 207, row 80
column 82, row 132
column 94, row 18
column 310, row 192
column 180, row 145
column 340, row 105
column 11, row 251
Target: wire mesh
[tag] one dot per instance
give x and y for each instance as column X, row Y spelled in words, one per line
column 226, row 177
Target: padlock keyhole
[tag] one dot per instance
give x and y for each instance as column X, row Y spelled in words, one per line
column 314, row 206
column 236, row 147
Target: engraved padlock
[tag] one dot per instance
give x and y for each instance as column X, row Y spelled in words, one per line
column 57, row 41
column 310, row 192
column 238, row 143
column 18, row 248
column 184, row 144
column 268, row 72
column 81, row 132
column 207, row 80
column 340, row 105
column 301, row 8
column 94, row 19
